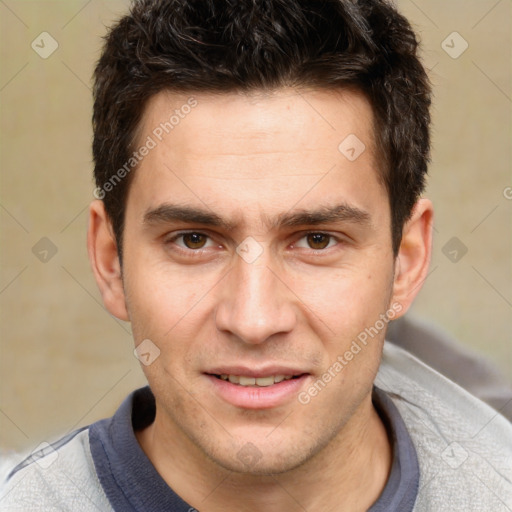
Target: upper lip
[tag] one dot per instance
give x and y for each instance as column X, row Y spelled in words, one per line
column 255, row 372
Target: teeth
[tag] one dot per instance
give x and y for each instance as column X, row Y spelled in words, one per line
column 264, row 381
column 252, row 381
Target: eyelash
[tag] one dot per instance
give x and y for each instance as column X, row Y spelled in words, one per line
column 199, row 252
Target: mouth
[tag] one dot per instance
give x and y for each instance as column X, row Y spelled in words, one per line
column 261, row 390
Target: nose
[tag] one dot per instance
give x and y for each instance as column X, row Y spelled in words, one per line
column 256, row 303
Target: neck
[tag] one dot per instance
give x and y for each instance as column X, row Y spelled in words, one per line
column 348, row 474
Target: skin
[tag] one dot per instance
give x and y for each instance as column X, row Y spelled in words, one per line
column 249, row 159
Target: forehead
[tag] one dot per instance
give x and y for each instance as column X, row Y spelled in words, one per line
column 263, row 122
column 271, row 148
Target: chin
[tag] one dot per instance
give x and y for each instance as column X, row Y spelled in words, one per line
column 250, row 458
column 268, row 467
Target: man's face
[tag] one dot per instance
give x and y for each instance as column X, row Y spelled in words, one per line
column 257, row 287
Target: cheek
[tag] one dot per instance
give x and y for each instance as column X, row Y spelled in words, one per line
column 168, row 308
column 348, row 300
column 160, row 299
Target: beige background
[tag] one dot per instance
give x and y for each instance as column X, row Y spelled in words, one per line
column 65, row 362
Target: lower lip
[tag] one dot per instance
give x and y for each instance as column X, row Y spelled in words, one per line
column 253, row 397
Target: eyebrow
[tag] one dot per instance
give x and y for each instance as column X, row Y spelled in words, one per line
column 168, row 213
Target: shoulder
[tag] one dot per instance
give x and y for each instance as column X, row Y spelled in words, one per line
column 464, row 446
column 59, row 476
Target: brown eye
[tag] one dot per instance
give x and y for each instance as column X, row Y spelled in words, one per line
column 318, row 240
column 194, row 240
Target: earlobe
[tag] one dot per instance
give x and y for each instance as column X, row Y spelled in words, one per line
column 103, row 255
column 413, row 260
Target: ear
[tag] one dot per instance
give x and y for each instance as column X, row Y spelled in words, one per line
column 103, row 255
column 413, row 259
